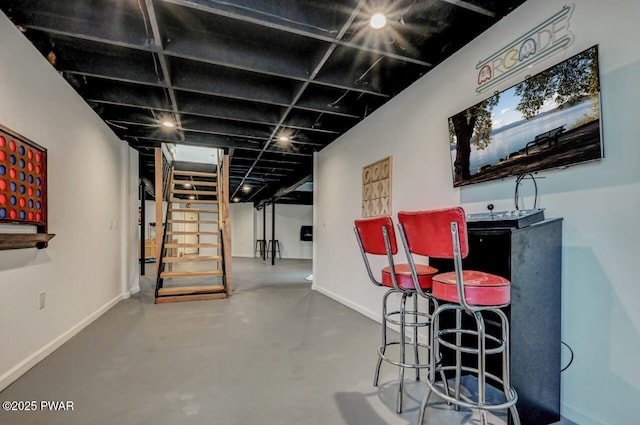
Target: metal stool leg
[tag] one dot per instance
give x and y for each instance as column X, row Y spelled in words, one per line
column 403, row 319
column 383, row 347
column 416, row 355
column 499, row 345
column 400, row 318
column 458, row 358
column 481, row 364
column 506, row 368
column 259, row 247
column 275, row 247
column 380, row 240
column 483, row 418
column 435, row 319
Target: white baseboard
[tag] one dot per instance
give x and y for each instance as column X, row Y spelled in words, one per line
column 133, row 291
column 581, row 417
column 373, row 315
column 21, row 368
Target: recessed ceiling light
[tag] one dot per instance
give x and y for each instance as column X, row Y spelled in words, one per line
column 187, row 185
column 246, row 188
column 168, row 124
column 283, row 139
column 236, row 199
column 378, row 20
column 192, row 197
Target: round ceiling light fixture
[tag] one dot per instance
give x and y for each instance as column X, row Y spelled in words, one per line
column 236, row 199
column 168, row 124
column 283, row 139
column 378, row 20
column 246, row 188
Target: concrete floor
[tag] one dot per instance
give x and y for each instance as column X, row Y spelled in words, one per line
column 273, row 353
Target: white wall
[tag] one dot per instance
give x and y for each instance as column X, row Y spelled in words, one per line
column 150, row 217
column 289, row 219
column 242, row 229
column 195, row 154
column 246, row 224
column 129, row 219
column 598, row 201
column 81, row 271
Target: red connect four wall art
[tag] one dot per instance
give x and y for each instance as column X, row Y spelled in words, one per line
column 23, row 181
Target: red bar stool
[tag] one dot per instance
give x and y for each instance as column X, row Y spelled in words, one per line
column 477, row 295
column 376, row 236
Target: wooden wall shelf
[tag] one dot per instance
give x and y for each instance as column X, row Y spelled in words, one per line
column 24, row 240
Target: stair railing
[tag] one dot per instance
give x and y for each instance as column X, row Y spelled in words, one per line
column 167, row 182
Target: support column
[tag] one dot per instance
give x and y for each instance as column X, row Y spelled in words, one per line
column 142, row 226
column 273, row 231
column 264, row 232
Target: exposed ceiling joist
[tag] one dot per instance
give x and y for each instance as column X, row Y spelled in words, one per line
column 239, row 75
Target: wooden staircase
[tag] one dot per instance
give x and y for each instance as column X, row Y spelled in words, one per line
column 192, row 258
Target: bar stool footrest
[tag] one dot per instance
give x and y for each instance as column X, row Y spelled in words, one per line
column 468, row 402
column 391, row 318
column 392, row 361
column 498, row 349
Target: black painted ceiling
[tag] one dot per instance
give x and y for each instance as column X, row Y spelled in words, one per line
column 238, row 74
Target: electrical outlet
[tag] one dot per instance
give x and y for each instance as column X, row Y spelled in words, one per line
column 42, row 300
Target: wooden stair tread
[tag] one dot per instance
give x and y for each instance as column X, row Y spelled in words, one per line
column 192, row 245
column 195, row 192
column 197, row 210
column 192, row 273
column 208, row 187
column 192, row 259
column 195, row 232
column 193, row 201
column 190, row 290
column 195, row 182
column 196, row 297
column 194, row 173
column 195, row 221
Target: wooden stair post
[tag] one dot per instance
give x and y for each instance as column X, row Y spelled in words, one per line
column 225, row 220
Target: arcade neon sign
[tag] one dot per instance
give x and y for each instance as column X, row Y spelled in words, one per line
column 547, row 38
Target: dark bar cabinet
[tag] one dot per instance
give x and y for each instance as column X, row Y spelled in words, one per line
column 531, row 258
